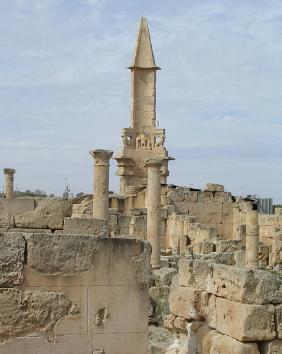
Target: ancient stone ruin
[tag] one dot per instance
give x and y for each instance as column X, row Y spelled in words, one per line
column 155, row 268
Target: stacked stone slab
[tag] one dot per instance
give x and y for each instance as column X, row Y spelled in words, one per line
column 226, row 309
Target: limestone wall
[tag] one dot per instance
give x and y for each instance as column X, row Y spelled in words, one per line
column 34, row 213
column 70, row 294
column 268, row 224
column 211, row 208
column 219, row 309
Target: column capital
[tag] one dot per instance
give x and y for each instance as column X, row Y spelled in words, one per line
column 9, row 171
column 153, row 163
column 101, row 157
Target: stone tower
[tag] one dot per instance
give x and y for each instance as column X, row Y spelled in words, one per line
column 143, row 140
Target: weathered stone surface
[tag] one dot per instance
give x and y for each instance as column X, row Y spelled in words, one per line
column 228, row 245
column 18, row 205
column 273, row 347
column 160, row 339
column 278, row 320
column 211, row 312
column 12, row 254
column 85, row 226
column 141, row 263
column 199, row 338
column 217, row 257
column 213, row 187
column 163, row 276
column 155, row 292
column 185, row 302
column 6, row 220
column 176, row 195
column 249, row 286
column 207, row 247
column 224, row 345
column 245, row 322
column 30, row 312
column 193, row 273
column 48, row 214
column 61, row 254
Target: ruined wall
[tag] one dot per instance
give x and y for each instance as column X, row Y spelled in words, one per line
column 73, row 294
column 46, row 214
column 211, row 207
column 219, row 309
column 268, row 224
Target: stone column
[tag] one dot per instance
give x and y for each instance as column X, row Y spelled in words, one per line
column 153, row 202
column 252, row 239
column 9, row 182
column 101, row 183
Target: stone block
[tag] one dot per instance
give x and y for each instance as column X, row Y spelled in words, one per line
column 84, row 226
column 208, row 247
column 181, row 207
column 193, row 273
column 127, row 308
column 163, row 276
column 222, row 197
column 239, row 257
column 113, row 224
column 228, row 245
column 222, row 344
column 61, row 254
column 191, row 196
column 245, row 322
column 6, row 220
column 176, row 195
column 156, row 292
column 272, row 347
column 212, row 187
column 216, row 257
column 195, row 209
column 18, row 205
column 211, row 312
column 71, row 344
column 123, row 221
column 212, row 208
column 278, row 320
column 245, row 285
column 205, row 196
column 48, row 214
column 12, row 258
column 31, row 311
column 184, row 302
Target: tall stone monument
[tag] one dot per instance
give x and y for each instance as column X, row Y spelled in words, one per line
column 143, row 140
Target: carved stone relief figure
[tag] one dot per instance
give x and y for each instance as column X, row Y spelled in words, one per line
column 126, row 140
column 142, row 142
column 160, row 140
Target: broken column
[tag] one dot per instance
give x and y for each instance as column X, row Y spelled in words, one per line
column 153, row 202
column 252, row 239
column 9, row 182
column 101, row 183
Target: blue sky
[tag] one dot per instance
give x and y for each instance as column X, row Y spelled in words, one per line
column 64, row 89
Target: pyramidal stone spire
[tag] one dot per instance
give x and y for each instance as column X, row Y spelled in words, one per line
column 144, row 139
column 143, row 56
